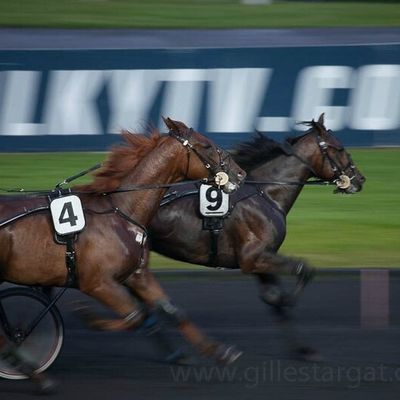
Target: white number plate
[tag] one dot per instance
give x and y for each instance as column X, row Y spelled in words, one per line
column 213, row 201
column 67, row 214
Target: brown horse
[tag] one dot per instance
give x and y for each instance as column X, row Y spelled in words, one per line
column 250, row 235
column 110, row 254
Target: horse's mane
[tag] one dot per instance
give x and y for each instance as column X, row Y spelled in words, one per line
column 121, row 160
column 317, row 126
column 261, row 149
column 256, row 151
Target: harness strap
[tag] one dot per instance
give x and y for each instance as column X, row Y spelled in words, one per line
column 214, row 236
column 21, row 215
column 214, row 225
column 70, row 261
column 67, row 240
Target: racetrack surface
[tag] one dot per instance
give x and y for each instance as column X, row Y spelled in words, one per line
column 358, row 363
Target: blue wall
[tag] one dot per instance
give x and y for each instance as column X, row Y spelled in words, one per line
column 79, row 100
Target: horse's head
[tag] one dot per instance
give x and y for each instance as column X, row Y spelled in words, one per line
column 329, row 160
column 208, row 158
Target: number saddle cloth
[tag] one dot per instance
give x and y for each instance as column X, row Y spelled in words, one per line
column 193, row 189
column 212, row 206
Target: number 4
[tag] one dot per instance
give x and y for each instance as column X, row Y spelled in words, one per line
column 67, row 215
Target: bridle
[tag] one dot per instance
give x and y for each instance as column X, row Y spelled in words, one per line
column 217, row 170
column 340, row 177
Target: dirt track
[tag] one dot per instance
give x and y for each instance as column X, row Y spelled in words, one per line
column 359, row 363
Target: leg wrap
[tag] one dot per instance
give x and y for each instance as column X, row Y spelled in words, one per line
column 173, row 313
column 303, row 272
column 134, row 317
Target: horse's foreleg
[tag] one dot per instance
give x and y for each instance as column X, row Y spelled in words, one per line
column 273, row 295
column 272, row 292
column 147, row 288
column 269, row 265
column 116, row 297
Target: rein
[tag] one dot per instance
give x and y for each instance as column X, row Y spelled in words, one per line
column 121, row 190
column 133, row 188
column 313, row 182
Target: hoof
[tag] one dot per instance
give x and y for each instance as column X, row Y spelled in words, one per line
column 227, row 355
column 307, row 354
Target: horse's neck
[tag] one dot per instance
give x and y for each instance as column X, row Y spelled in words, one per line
column 161, row 166
column 282, row 169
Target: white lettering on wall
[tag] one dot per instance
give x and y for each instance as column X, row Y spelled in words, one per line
column 132, row 93
column 375, row 102
column 314, row 93
column 18, row 100
column 70, row 107
column 236, row 96
column 233, row 100
column 183, row 94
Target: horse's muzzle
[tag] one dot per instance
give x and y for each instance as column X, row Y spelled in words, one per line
column 350, row 186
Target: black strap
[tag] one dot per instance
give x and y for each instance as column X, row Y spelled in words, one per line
column 70, row 261
column 24, row 214
column 214, row 236
column 214, row 225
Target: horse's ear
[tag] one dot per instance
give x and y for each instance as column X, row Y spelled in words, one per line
column 321, row 119
column 176, row 126
column 170, row 124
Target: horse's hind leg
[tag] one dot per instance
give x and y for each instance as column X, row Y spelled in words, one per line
column 147, row 288
column 116, row 297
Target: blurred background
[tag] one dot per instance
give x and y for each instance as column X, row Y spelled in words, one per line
column 73, row 73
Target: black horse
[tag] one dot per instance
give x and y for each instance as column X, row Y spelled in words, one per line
column 250, row 235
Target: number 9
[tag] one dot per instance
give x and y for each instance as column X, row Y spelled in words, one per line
column 214, row 195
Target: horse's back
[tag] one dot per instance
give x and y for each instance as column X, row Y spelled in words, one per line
column 177, row 229
column 11, row 206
